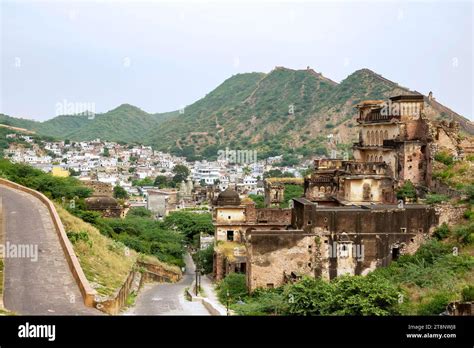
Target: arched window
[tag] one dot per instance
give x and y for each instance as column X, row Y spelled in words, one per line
column 380, row 159
column 371, row 142
column 385, row 136
column 368, row 138
column 377, row 138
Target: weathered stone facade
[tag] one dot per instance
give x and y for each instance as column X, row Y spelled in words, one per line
column 330, row 241
column 275, row 189
column 348, row 221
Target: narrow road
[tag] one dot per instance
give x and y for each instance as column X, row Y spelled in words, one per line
column 168, row 298
column 41, row 283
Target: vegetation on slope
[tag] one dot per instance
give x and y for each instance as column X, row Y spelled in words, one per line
column 285, row 112
column 105, row 262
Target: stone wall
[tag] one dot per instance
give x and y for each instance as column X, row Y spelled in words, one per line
column 115, row 303
column 88, row 293
column 274, row 256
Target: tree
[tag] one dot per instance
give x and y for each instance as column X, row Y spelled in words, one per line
column 189, row 223
column 204, row 258
column 234, row 285
column 106, row 152
column 120, row 193
column 161, row 181
column 181, row 173
column 345, row 295
column 259, row 200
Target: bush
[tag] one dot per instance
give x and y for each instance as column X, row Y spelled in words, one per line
column 436, row 305
column 442, row 231
column 309, row 297
column 75, row 237
column 444, row 158
column 469, row 214
column 139, row 212
column 263, row 302
column 407, row 190
column 468, row 293
column 469, row 190
column 465, row 233
column 234, row 284
column 190, row 224
column 205, row 258
column 345, row 295
column 435, row 198
column 259, row 200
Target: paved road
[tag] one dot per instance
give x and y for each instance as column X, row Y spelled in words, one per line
column 46, row 285
column 168, row 298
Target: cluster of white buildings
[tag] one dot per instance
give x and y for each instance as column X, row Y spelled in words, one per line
column 116, row 164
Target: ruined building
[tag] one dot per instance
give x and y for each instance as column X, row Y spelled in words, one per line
column 348, row 220
column 102, row 200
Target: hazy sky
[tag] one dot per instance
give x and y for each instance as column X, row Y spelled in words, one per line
column 161, row 56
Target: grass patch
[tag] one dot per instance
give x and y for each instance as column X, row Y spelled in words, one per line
column 105, row 262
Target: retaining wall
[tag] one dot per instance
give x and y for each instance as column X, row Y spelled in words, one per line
column 88, row 293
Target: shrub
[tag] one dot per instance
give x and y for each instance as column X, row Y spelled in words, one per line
column 234, row 285
column 468, row 293
column 139, row 212
column 469, row 214
column 309, row 297
column 435, row 198
column 75, row 237
column 436, row 305
column 407, row 190
column 444, row 158
column 442, row 231
column 469, row 190
column 263, row 302
column 205, row 258
column 465, row 233
column 345, row 295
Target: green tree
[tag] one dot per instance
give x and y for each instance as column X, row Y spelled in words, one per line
column 204, row 258
column 234, row 285
column 120, row 193
column 259, row 200
column 161, row 181
column 181, row 173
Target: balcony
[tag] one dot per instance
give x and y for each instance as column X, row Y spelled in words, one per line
column 377, row 117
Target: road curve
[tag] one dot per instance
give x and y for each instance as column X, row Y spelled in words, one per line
column 168, row 298
column 41, row 285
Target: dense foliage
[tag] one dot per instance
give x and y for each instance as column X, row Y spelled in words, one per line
column 204, row 258
column 423, row 283
column 190, row 224
column 259, row 200
column 51, row 186
column 407, row 190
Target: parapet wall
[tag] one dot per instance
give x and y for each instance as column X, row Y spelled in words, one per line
column 88, row 293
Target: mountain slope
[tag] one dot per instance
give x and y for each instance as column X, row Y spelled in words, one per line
column 125, row 123
column 284, row 111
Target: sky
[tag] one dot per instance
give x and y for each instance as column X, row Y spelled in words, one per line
column 163, row 55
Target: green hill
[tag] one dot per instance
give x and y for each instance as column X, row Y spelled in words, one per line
column 283, row 112
column 259, row 116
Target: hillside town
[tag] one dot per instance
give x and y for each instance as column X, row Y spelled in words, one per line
column 135, row 168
